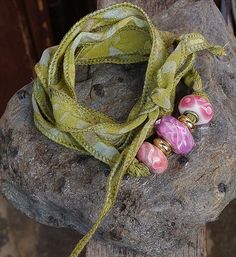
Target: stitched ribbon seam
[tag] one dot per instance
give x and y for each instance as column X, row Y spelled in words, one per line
column 119, row 34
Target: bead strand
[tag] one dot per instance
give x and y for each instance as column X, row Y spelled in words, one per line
column 175, row 134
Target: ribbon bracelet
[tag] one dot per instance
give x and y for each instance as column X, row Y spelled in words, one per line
column 120, row 34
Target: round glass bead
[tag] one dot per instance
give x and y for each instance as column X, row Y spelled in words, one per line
column 176, row 133
column 152, row 157
column 199, row 105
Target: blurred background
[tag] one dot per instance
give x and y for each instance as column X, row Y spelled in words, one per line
column 27, row 27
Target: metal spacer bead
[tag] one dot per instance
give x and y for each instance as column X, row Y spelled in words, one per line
column 187, row 121
column 164, row 146
column 192, row 116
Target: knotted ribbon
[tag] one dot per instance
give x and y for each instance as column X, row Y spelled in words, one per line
column 120, row 34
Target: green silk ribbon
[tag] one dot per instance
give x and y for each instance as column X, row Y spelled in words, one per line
column 120, row 34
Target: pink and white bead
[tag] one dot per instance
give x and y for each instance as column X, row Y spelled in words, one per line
column 152, row 157
column 176, row 134
column 198, row 105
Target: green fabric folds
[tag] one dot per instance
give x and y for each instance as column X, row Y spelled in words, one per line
column 119, row 34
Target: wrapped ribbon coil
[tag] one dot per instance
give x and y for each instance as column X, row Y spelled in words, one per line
column 120, row 34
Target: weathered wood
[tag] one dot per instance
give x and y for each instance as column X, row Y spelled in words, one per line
column 153, row 215
column 23, row 237
column 195, row 248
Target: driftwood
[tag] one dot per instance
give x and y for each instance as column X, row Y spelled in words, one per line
column 153, row 215
column 196, row 247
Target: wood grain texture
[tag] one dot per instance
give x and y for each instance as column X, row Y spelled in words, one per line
column 195, row 248
column 23, row 237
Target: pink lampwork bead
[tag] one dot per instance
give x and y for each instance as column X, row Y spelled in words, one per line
column 152, row 157
column 176, row 133
column 198, row 105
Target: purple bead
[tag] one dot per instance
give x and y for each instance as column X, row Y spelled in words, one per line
column 176, row 133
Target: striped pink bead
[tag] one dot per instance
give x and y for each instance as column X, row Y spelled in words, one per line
column 199, row 105
column 152, row 157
